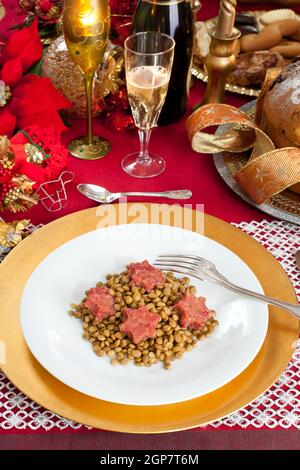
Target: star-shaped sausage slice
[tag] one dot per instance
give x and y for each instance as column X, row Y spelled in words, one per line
column 193, row 312
column 139, row 324
column 145, row 275
column 100, row 302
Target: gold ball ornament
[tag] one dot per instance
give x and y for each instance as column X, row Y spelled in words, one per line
column 12, row 196
column 66, row 77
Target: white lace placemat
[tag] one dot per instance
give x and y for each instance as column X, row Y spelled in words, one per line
column 278, row 408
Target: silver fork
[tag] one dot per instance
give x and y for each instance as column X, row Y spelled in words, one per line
column 205, row 270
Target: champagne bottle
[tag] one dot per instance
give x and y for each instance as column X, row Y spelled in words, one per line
column 173, row 17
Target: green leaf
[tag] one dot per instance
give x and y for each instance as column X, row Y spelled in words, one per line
column 65, row 119
column 36, row 68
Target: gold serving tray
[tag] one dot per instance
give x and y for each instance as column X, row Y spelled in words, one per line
column 199, row 72
column 33, row 380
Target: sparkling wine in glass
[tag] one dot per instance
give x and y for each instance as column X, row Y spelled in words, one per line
column 86, row 28
column 148, row 65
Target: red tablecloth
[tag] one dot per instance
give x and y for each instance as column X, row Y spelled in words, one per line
column 185, row 169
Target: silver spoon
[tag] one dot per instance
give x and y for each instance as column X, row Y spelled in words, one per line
column 102, row 195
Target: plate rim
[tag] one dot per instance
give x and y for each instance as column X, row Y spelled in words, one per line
column 36, row 355
column 61, row 405
column 227, row 177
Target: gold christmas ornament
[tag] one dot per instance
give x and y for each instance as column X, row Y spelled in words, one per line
column 2, row 11
column 5, row 93
column 66, row 77
column 34, row 155
column 11, row 234
column 7, row 158
column 16, row 191
column 21, row 197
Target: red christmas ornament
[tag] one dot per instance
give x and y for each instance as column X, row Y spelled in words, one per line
column 27, row 5
column 119, row 121
column 5, row 188
column 48, row 10
column 4, row 172
column 118, row 100
column 123, row 7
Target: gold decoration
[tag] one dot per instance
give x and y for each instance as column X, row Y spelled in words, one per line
column 20, row 197
column 7, row 158
column 196, row 6
column 99, row 148
column 34, row 155
column 2, row 11
column 86, row 25
column 219, row 62
column 23, row 183
column 222, row 53
column 198, row 69
column 66, row 77
column 114, row 64
column 11, row 234
column 5, row 94
column 268, row 172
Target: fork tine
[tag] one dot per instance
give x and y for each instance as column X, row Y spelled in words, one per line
column 192, row 257
column 178, row 262
column 175, row 268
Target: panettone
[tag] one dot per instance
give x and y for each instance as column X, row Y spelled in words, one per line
column 280, row 117
column 280, row 109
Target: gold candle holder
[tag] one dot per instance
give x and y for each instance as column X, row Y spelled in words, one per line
column 219, row 63
column 196, row 6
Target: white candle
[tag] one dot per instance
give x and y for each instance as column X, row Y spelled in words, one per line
column 226, row 18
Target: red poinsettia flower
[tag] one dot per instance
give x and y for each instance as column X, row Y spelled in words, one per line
column 22, row 51
column 34, row 100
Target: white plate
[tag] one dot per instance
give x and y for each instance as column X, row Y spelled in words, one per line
column 55, row 338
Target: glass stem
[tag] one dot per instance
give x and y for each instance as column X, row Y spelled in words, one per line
column 144, row 156
column 88, row 82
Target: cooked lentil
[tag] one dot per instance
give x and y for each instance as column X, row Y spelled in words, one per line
column 171, row 341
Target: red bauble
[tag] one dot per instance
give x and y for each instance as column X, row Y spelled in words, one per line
column 4, row 172
column 4, row 190
column 48, row 10
column 118, row 100
column 119, row 121
column 123, row 7
column 27, row 5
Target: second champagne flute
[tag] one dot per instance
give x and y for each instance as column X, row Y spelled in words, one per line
column 148, row 65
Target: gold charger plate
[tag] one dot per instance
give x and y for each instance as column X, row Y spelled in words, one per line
column 30, row 377
column 284, row 206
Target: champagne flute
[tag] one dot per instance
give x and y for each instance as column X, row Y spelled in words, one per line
column 148, row 65
column 86, row 28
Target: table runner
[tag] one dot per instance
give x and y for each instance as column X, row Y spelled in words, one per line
column 278, row 408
